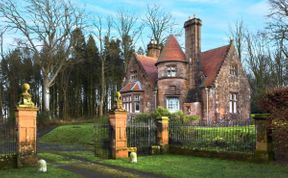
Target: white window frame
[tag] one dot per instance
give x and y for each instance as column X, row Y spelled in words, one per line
column 171, row 71
column 136, row 103
column 233, row 99
column 173, row 104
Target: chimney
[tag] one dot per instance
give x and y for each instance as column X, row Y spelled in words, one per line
column 153, row 49
column 193, row 48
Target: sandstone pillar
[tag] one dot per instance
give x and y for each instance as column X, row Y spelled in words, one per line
column 118, row 121
column 162, row 133
column 263, row 150
column 26, row 126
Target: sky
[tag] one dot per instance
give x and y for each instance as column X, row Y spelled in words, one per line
column 218, row 16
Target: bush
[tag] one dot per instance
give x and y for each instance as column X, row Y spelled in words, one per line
column 177, row 117
column 275, row 101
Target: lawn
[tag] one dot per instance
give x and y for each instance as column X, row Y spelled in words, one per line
column 31, row 172
column 71, row 134
column 191, row 167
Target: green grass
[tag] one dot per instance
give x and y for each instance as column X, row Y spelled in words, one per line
column 71, row 134
column 31, row 172
column 194, row 167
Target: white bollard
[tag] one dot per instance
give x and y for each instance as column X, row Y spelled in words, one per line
column 133, row 157
column 42, row 165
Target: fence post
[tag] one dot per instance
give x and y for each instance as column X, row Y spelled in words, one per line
column 162, row 133
column 26, row 113
column 118, row 121
column 263, row 150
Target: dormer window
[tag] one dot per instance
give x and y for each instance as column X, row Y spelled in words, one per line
column 171, row 71
column 234, row 70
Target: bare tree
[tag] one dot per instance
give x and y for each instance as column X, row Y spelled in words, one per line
column 278, row 23
column 129, row 29
column 159, row 22
column 102, row 34
column 45, row 27
column 238, row 34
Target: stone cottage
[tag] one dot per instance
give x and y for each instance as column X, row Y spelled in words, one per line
column 211, row 84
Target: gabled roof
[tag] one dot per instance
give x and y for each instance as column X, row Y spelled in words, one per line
column 211, row 62
column 172, row 51
column 148, row 64
column 132, row 86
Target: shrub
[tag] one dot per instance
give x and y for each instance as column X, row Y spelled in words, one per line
column 177, row 117
column 275, row 101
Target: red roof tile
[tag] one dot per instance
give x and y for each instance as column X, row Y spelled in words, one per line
column 132, row 86
column 148, row 64
column 211, row 62
column 172, row 51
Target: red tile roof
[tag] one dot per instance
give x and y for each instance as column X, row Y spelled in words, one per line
column 132, row 86
column 148, row 64
column 211, row 62
column 172, row 51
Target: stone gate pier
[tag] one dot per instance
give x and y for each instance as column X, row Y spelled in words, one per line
column 26, row 113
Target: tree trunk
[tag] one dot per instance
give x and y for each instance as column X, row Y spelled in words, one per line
column 103, row 88
column 46, row 94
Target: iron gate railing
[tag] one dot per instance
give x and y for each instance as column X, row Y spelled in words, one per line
column 7, row 139
column 103, row 135
column 141, row 135
column 237, row 136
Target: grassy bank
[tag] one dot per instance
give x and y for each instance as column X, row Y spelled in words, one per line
column 71, row 134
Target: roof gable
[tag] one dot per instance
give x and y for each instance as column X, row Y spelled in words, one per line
column 211, row 62
column 132, row 86
column 148, row 65
column 172, row 51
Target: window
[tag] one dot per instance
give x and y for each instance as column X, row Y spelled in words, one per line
column 136, row 103
column 233, row 103
column 127, row 103
column 233, row 70
column 133, row 75
column 172, row 104
column 171, row 71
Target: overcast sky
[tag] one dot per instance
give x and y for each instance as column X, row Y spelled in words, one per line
column 216, row 15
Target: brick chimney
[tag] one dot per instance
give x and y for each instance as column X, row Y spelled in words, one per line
column 153, row 49
column 193, row 48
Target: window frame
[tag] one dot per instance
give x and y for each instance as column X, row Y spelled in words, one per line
column 137, row 103
column 173, row 108
column 234, row 70
column 171, row 71
column 233, row 102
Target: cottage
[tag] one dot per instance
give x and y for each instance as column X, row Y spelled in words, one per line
column 211, row 84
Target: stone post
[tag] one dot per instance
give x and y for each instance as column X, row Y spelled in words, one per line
column 26, row 113
column 118, row 122
column 119, row 139
column 263, row 150
column 162, row 133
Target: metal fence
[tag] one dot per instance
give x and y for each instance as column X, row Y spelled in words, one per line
column 237, row 136
column 103, row 135
column 141, row 135
column 7, row 139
